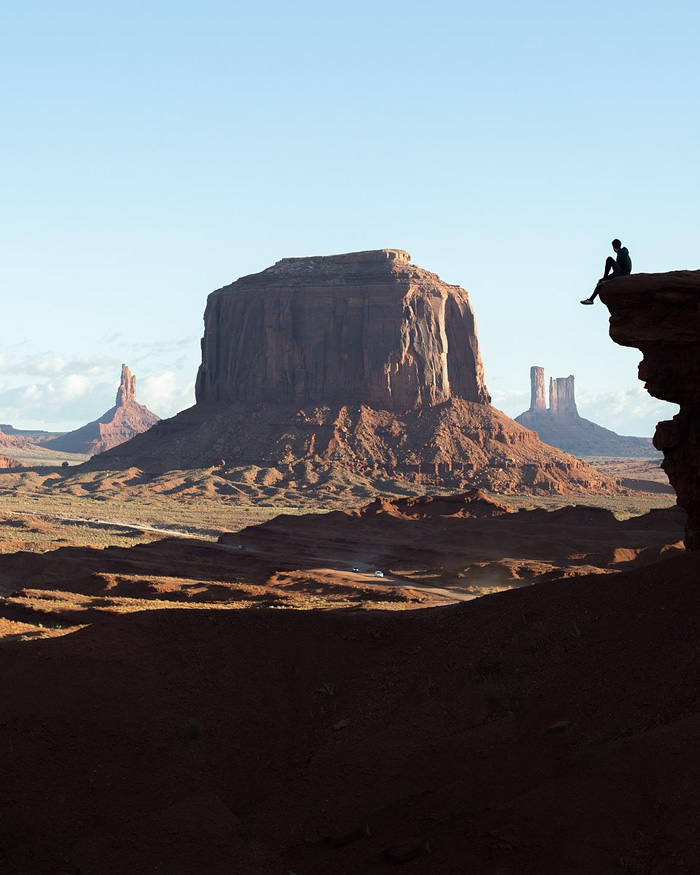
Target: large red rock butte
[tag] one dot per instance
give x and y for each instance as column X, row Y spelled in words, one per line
column 658, row 313
column 119, row 424
column 561, row 425
column 362, row 328
column 360, row 365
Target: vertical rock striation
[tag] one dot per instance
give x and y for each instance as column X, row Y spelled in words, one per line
column 659, row 314
column 562, row 401
column 361, row 328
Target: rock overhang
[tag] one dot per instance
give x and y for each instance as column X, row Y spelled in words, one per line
column 659, row 314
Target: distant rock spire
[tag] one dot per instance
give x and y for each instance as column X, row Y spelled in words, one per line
column 127, row 388
column 562, row 401
column 537, row 401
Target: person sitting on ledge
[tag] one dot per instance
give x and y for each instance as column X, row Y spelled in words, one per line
column 622, row 266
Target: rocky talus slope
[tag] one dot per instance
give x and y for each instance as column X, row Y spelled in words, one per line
column 120, row 423
column 561, row 425
column 357, row 367
column 659, row 314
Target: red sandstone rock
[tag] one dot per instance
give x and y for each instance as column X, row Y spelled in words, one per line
column 350, row 369
column 7, row 462
column 537, row 401
column 119, row 424
column 659, row 314
column 362, row 328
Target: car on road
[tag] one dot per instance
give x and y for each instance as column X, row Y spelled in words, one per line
column 379, row 574
column 355, row 569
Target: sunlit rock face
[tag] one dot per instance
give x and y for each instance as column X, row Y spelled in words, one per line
column 361, row 328
column 659, row 314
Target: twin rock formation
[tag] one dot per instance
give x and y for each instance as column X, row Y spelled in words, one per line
column 561, row 426
column 349, row 369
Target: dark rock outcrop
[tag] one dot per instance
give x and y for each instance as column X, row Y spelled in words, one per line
column 659, row 314
column 561, row 425
column 119, row 424
column 343, row 370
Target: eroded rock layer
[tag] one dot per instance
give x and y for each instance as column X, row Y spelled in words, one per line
column 659, row 314
column 453, row 445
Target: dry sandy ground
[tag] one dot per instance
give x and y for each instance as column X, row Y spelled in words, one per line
column 428, row 551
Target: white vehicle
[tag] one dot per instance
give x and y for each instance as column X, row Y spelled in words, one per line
column 379, row 574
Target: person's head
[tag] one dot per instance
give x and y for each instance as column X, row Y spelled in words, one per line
column 616, row 245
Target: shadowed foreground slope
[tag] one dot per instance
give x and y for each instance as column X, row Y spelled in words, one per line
column 551, row 729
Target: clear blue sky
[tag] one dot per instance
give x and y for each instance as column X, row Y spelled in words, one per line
column 154, row 151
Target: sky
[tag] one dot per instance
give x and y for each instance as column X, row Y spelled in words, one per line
column 153, row 151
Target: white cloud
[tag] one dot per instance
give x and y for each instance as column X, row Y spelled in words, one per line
column 165, row 394
column 59, row 404
column 47, row 364
column 626, row 411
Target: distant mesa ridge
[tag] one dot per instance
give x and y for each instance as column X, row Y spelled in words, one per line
column 561, row 426
column 350, row 371
column 119, row 424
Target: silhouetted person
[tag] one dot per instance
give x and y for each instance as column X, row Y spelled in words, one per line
column 620, row 266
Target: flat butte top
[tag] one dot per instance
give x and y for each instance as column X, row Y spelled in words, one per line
column 350, row 268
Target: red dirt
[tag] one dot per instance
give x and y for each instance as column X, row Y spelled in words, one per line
column 551, row 729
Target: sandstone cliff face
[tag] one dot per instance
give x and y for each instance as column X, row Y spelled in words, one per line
column 561, row 426
column 119, row 424
column 348, row 374
column 362, row 328
column 537, row 402
column 659, row 314
column 562, row 401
